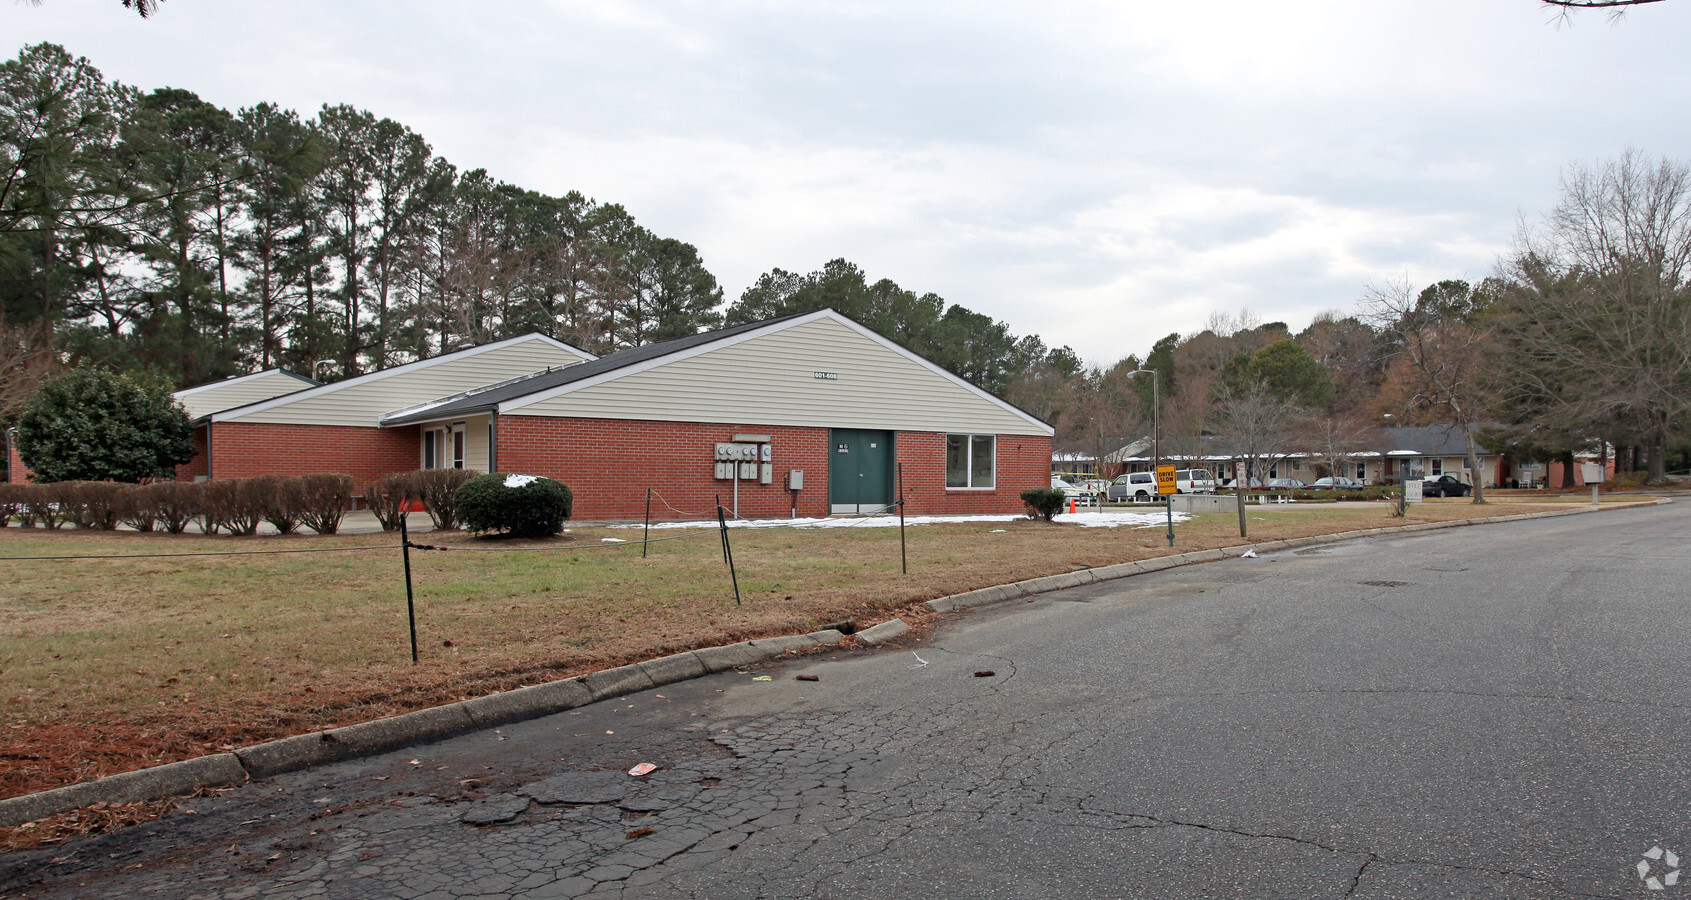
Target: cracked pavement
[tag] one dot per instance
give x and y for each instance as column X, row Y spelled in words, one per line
column 1507, row 719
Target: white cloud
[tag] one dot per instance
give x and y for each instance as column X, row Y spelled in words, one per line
column 1098, row 173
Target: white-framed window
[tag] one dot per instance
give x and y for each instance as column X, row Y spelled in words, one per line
column 1274, row 471
column 971, row 460
column 1438, row 467
column 1361, row 471
column 1297, row 465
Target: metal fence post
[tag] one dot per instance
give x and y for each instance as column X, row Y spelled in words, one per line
column 410, row 601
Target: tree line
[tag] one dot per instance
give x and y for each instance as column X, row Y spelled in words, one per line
column 155, row 231
column 160, row 232
column 1579, row 342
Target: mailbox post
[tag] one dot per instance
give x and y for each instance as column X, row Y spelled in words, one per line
column 1592, row 474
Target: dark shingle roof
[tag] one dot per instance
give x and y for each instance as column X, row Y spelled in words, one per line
column 489, row 397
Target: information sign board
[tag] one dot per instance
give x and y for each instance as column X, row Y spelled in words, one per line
column 1165, row 479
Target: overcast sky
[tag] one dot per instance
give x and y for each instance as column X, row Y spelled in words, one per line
column 1100, row 174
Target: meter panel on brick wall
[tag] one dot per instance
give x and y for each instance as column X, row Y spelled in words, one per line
column 744, row 461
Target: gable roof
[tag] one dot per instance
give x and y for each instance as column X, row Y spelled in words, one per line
column 201, row 400
column 489, row 397
column 518, row 393
column 398, row 371
column 1431, row 440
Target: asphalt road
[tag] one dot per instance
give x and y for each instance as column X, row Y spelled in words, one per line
column 1496, row 711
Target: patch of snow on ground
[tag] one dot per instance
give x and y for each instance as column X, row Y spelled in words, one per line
column 1101, row 519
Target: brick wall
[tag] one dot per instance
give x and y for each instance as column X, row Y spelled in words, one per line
column 1024, row 462
column 609, row 464
column 200, row 464
column 245, row 449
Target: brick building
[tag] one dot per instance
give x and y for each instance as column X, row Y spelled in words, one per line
column 810, row 414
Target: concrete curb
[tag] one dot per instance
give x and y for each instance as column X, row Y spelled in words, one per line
column 883, row 632
column 1017, row 590
column 366, row 738
column 422, row 726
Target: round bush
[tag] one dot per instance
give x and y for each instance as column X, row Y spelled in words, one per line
column 1043, row 503
column 518, row 505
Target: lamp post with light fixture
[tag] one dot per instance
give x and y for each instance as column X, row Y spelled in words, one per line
column 1156, row 443
column 1156, row 447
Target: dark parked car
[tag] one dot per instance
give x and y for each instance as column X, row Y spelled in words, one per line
column 1445, row 486
column 1337, row 483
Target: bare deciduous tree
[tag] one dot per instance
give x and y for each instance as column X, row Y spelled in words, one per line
column 1257, row 424
column 1337, row 439
column 1438, row 339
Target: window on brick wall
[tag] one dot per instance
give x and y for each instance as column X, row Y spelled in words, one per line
column 971, row 460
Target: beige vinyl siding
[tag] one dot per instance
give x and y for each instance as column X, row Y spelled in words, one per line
column 363, row 402
column 475, row 443
column 203, row 401
column 771, row 380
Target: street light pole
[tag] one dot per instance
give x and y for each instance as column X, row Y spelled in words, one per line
column 1156, row 446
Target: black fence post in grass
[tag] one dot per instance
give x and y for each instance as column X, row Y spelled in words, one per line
column 727, row 554
column 410, row 601
column 903, row 558
column 645, row 535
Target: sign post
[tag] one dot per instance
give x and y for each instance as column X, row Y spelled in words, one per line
column 1166, row 488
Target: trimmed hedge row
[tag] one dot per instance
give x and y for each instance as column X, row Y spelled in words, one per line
column 237, row 506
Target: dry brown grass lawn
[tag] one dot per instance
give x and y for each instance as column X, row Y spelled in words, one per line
column 109, row 665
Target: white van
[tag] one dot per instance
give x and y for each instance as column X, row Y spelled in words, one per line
column 1194, row 481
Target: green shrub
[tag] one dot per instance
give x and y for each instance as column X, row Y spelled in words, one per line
column 96, row 425
column 1043, row 503
column 518, row 505
column 438, row 489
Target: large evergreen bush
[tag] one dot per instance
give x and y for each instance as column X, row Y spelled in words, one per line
column 518, row 505
column 93, row 425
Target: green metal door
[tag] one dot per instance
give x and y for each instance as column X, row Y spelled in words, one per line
column 860, row 470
